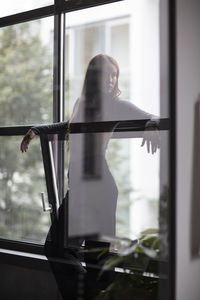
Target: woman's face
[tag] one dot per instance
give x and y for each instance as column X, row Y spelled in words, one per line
column 109, row 79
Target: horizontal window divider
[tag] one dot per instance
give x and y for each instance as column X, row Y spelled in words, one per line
column 29, row 15
column 40, row 262
column 23, row 253
column 119, row 126
column 72, row 5
column 89, row 127
column 65, row 6
column 25, row 261
column 14, row 130
column 21, row 246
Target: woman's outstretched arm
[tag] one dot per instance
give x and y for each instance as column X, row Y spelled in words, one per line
column 129, row 111
column 53, row 128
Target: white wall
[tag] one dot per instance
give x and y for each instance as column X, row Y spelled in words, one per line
column 188, row 196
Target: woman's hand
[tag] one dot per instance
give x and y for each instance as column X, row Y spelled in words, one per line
column 26, row 140
column 152, row 139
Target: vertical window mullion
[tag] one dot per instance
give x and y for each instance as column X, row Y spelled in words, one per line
column 58, row 99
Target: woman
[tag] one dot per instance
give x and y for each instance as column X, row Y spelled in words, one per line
column 92, row 195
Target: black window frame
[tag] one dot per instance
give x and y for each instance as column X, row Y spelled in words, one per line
column 58, row 10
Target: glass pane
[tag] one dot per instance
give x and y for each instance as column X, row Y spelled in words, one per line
column 13, row 7
column 116, row 195
column 26, row 77
column 138, row 191
column 118, row 199
column 117, row 191
column 21, row 181
column 128, row 32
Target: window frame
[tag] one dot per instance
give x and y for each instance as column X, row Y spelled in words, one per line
column 57, row 10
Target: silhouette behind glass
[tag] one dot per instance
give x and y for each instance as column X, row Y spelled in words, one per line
column 92, row 196
column 93, row 191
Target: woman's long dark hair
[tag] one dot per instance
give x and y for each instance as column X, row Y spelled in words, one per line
column 93, row 95
column 97, row 67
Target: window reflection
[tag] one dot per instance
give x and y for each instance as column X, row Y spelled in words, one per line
column 26, row 81
column 129, row 33
column 21, row 182
column 113, row 186
column 93, row 191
